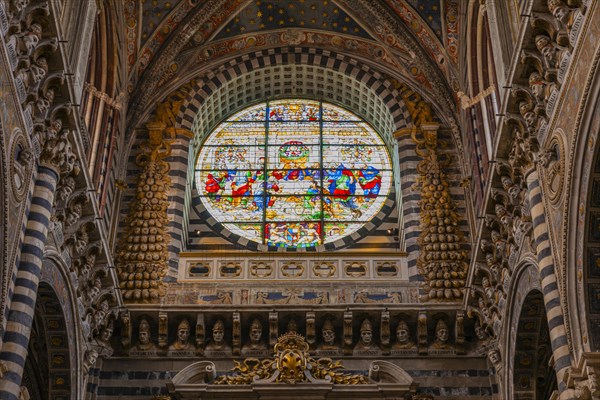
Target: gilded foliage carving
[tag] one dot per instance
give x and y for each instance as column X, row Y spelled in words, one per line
column 290, row 364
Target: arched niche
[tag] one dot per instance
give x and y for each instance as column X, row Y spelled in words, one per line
column 533, row 375
column 526, row 349
column 53, row 365
column 48, row 368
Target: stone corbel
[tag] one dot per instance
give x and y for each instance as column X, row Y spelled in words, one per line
column 385, row 332
column 348, row 332
column 273, row 327
column 200, row 333
column 236, row 338
column 422, row 332
column 163, row 329
column 583, row 379
column 310, row 327
column 126, row 329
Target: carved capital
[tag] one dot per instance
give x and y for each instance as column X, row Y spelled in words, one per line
column 584, row 379
column 57, row 154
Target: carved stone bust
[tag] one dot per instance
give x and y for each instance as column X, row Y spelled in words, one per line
column 89, row 359
column 328, row 335
column 403, row 339
column 217, row 343
column 255, row 343
column 182, row 343
column 292, row 326
column 103, row 338
column 144, row 342
column 366, row 344
column 442, row 336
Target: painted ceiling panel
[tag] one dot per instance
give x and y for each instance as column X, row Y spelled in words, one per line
column 263, row 15
column 153, row 13
column 430, row 11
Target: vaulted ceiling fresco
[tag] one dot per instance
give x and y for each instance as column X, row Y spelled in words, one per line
column 269, row 15
column 168, row 40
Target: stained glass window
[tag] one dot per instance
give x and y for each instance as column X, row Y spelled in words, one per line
column 293, row 173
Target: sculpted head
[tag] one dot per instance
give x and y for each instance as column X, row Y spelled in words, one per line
column 328, row 332
column 494, row 357
column 292, row 325
column 366, row 332
column 67, row 187
column 480, row 332
column 144, row 333
column 255, row 331
column 441, row 331
column 107, row 331
column 402, row 332
column 183, row 331
column 91, row 356
column 218, row 331
column 558, row 9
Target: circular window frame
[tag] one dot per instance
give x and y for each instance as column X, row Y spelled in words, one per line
column 385, row 208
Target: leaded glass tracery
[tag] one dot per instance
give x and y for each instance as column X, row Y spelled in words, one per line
column 293, row 173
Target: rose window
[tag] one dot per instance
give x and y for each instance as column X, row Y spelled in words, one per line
column 293, row 173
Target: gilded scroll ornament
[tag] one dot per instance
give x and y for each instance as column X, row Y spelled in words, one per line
column 290, row 364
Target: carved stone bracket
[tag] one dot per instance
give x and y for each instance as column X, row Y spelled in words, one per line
column 583, row 379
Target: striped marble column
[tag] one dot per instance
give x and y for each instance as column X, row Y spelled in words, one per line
column 549, row 285
column 178, row 161
column 20, row 316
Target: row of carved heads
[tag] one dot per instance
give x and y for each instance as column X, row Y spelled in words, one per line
column 328, row 334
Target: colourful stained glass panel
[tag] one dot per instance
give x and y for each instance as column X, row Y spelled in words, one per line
column 281, row 133
column 256, row 113
column 335, row 231
column 249, row 231
column 293, row 234
column 327, row 173
column 294, row 110
column 294, row 208
column 294, row 154
column 334, row 113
